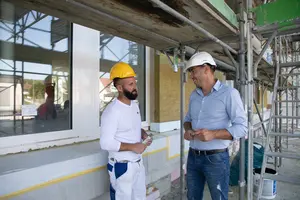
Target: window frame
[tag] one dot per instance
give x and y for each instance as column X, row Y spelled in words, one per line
column 27, row 142
column 78, row 132
column 28, row 72
column 148, row 58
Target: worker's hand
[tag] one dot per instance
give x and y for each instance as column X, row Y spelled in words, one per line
column 148, row 140
column 139, row 148
column 189, row 135
column 204, row 135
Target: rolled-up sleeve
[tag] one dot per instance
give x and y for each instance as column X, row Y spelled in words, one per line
column 108, row 129
column 237, row 115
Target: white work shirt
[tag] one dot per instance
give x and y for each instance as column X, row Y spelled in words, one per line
column 120, row 123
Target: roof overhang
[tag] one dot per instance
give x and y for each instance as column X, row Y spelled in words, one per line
column 145, row 23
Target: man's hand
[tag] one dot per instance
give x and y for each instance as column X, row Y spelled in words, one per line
column 189, row 135
column 145, row 136
column 205, row 135
column 149, row 142
column 139, row 148
column 148, row 139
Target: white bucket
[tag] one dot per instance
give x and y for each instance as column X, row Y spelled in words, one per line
column 269, row 186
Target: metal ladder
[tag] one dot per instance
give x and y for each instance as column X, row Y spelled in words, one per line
column 273, row 132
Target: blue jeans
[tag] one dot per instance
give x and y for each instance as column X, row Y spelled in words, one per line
column 213, row 169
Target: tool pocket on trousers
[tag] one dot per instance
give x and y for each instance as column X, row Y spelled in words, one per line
column 120, row 169
column 109, row 167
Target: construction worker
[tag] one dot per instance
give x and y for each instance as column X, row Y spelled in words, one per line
column 122, row 136
column 215, row 117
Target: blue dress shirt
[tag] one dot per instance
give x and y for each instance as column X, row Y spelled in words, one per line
column 222, row 108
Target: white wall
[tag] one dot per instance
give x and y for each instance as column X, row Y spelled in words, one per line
column 86, row 59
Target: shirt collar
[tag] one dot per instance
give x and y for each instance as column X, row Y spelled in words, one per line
column 216, row 87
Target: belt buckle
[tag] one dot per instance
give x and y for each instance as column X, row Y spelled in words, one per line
column 197, row 152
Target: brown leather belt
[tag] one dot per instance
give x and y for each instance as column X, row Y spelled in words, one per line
column 207, row 152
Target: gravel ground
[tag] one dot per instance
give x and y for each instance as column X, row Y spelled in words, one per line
column 285, row 191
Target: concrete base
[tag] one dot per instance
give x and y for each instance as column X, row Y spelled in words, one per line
column 78, row 172
column 155, row 195
column 163, row 185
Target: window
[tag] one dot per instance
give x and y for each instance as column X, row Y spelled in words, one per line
column 112, row 50
column 35, row 72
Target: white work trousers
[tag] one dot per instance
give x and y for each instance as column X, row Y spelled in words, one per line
column 127, row 180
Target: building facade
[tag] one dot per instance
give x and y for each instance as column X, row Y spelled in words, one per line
column 54, row 85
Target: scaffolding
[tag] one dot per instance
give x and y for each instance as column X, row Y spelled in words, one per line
column 280, row 29
column 246, row 80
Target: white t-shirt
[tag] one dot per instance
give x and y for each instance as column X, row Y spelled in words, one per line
column 120, row 123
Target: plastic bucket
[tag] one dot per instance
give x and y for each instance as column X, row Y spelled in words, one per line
column 269, row 186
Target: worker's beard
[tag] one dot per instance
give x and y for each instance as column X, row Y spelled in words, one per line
column 130, row 95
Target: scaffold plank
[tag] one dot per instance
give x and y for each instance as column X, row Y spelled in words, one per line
column 139, row 21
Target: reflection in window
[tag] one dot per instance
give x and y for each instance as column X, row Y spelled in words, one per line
column 34, row 72
column 112, row 50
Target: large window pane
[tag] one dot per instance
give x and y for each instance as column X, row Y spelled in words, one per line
column 34, row 72
column 112, row 50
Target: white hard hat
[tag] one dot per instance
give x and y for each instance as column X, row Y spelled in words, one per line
column 200, row 58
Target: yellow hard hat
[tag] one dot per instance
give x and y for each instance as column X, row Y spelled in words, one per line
column 121, row 70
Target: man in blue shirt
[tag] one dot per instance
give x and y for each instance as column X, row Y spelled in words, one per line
column 215, row 117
